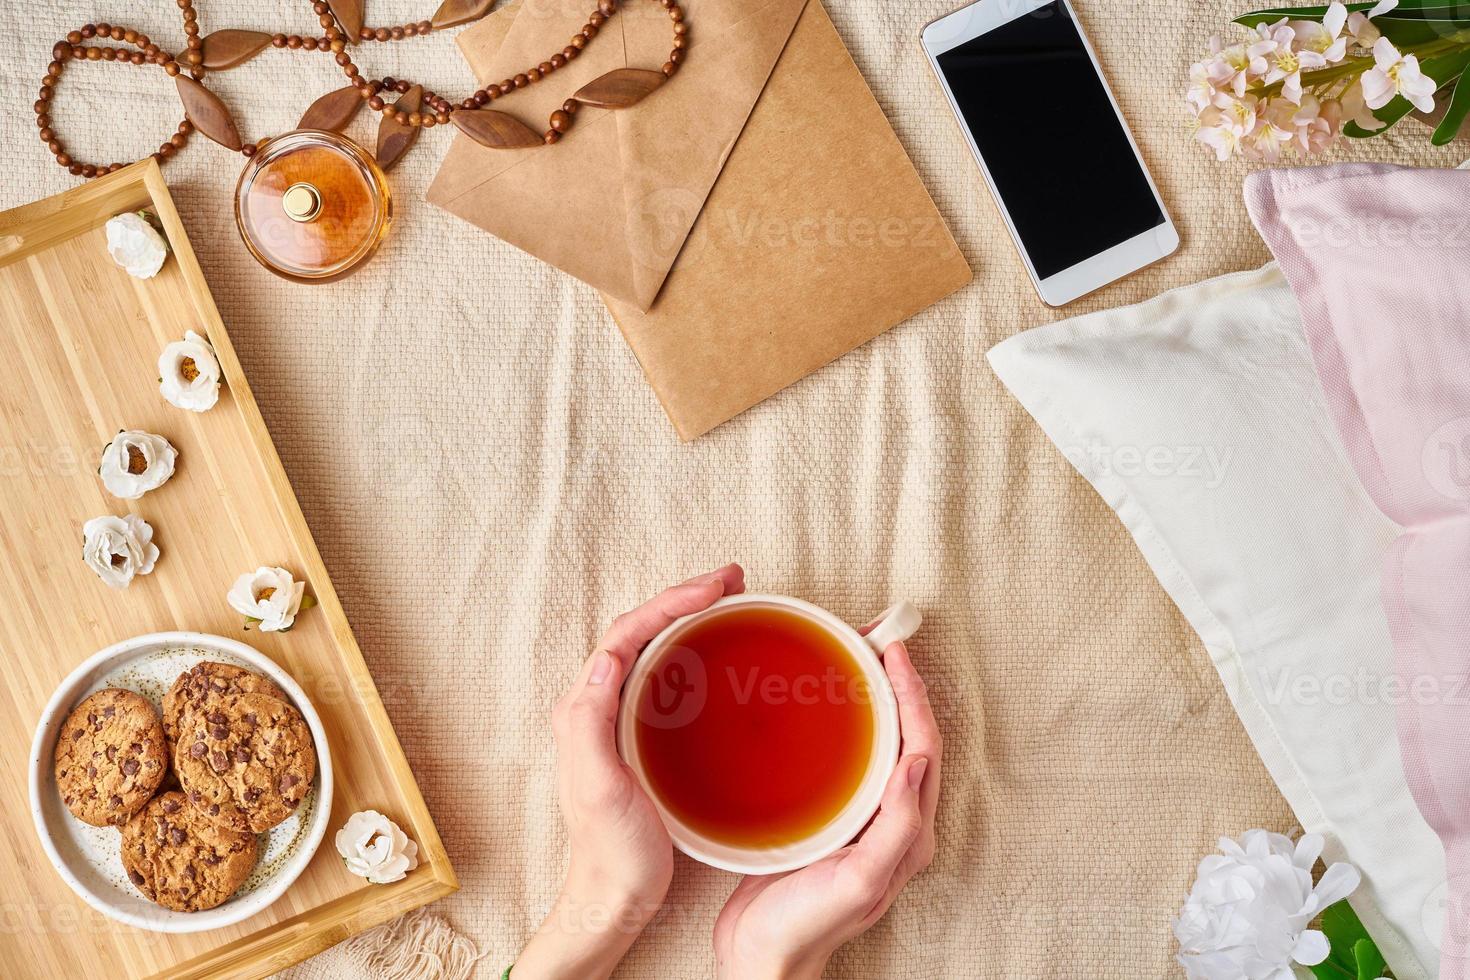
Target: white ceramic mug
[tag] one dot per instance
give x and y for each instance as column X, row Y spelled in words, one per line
column 898, row 622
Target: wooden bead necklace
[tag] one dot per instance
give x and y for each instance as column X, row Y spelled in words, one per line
column 342, row 24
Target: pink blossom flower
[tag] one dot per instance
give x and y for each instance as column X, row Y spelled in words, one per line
column 1285, row 60
column 1355, row 109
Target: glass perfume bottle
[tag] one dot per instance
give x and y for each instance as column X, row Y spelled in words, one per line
column 312, row 206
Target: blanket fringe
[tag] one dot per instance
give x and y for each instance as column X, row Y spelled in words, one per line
column 417, row 946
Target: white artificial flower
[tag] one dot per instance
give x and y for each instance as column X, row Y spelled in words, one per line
column 1325, row 38
column 136, row 462
column 1247, row 915
column 374, row 848
column 136, row 245
column 1360, row 25
column 117, row 548
column 1393, row 74
column 269, row 595
column 188, row 373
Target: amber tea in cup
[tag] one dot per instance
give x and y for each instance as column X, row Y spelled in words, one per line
column 755, row 727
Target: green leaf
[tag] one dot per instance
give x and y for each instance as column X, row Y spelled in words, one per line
column 1329, row 970
column 1410, row 7
column 1443, row 69
column 307, row 601
column 1344, row 930
column 1371, row 963
column 1454, row 116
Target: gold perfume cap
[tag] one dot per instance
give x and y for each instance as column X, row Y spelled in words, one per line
column 302, row 202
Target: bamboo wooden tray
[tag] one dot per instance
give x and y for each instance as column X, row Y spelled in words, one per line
column 79, row 345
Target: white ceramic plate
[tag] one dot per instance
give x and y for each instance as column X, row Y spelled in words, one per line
column 90, row 858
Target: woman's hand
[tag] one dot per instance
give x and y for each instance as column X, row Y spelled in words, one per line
column 622, row 858
column 787, row 926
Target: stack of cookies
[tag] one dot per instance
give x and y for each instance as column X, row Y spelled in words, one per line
column 242, row 755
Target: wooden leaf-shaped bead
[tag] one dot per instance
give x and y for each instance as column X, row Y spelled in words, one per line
column 452, row 13
column 495, row 129
column 349, row 17
column 619, row 88
column 332, row 111
column 226, row 49
column 394, row 138
column 207, row 112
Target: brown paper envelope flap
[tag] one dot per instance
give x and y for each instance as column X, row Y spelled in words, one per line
column 699, row 117
column 817, row 237
column 671, row 155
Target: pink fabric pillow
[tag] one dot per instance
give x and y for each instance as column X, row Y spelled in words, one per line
column 1379, row 260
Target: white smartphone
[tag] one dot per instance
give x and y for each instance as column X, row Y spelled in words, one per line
column 1051, row 142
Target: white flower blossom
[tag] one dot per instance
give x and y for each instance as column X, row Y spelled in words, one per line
column 189, row 374
column 1393, row 74
column 375, row 848
column 1247, row 915
column 136, row 462
column 117, row 548
column 269, row 595
column 136, row 245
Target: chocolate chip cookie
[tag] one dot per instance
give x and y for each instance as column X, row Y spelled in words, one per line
column 202, row 685
column 180, row 859
column 247, row 762
column 110, row 757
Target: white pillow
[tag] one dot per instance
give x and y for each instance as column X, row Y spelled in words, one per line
column 1198, row 417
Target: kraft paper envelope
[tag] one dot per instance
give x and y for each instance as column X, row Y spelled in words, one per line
column 596, row 204
column 816, row 237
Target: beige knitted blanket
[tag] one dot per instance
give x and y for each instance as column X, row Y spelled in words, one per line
column 490, row 482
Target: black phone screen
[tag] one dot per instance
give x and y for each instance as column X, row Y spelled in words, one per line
column 1051, row 139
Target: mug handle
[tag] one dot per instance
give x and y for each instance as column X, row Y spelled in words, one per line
column 896, row 623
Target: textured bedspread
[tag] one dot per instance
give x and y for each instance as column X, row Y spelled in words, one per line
column 490, row 482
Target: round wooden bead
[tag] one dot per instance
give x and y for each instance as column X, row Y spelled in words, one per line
column 558, row 60
column 669, row 69
column 596, row 20
column 570, row 107
column 561, row 120
column 551, row 136
column 676, row 56
column 607, row 7
column 533, row 75
column 521, row 81
column 545, row 68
